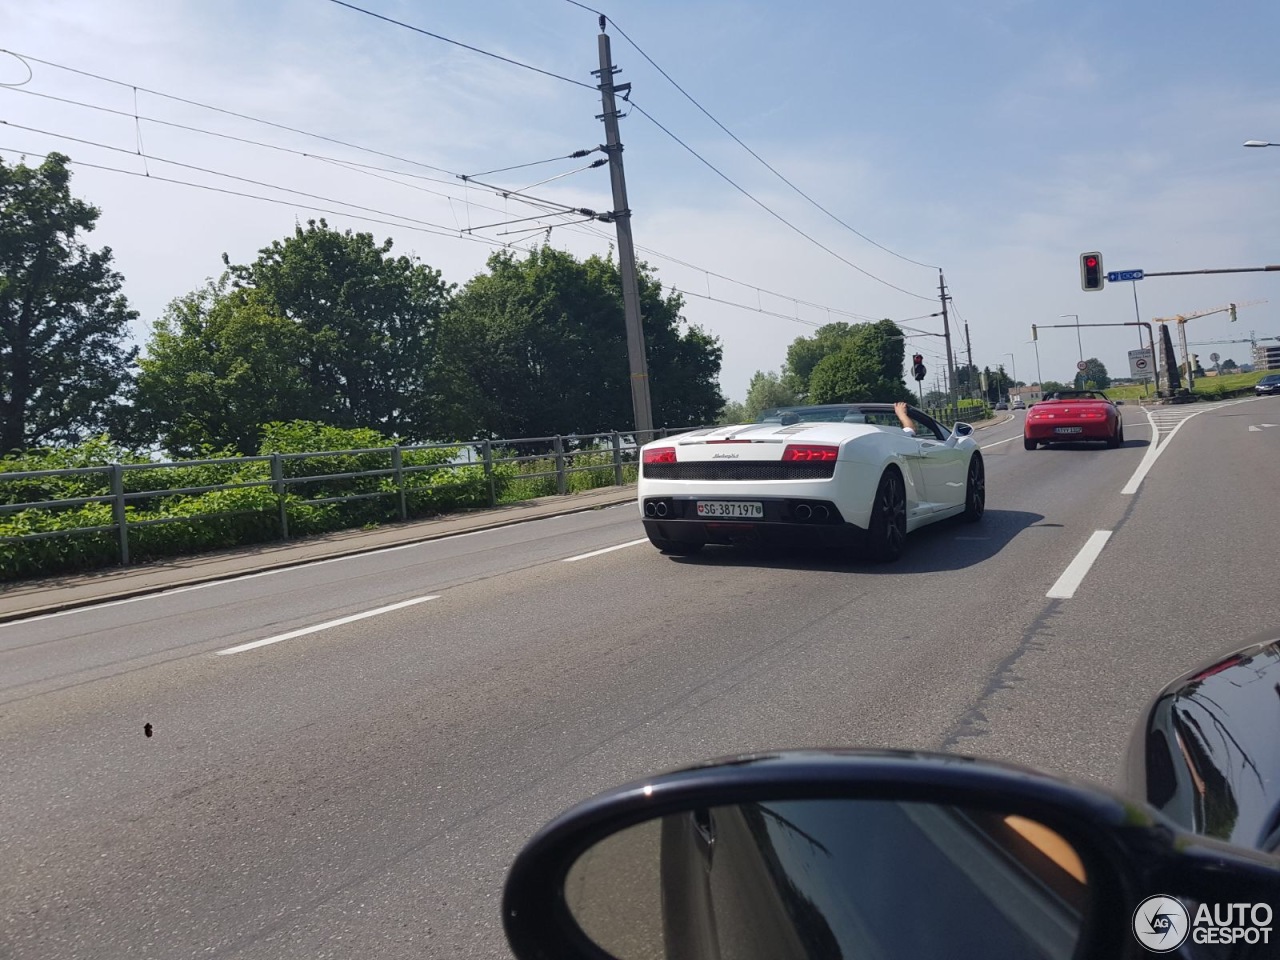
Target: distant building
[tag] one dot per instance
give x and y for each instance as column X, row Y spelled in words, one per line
column 1266, row 357
column 1027, row 395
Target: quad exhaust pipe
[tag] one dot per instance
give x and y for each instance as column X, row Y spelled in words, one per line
column 812, row 511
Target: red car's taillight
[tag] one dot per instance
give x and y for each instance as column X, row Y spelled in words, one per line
column 660, row 455
column 809, row 453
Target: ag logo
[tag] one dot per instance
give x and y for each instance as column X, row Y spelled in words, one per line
column 1161, row 924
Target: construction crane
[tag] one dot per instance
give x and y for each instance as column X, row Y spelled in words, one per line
column 1181, row 320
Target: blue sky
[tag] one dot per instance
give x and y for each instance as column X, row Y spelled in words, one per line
column 997, row 140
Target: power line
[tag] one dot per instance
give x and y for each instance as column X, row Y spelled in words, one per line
column 465, row 46
column 363, row 167
column 373, row 170
column 768, row 166
column 441, row 231
column 218, row 173
column 576, row 155
column 777, row 216
column 207, row 106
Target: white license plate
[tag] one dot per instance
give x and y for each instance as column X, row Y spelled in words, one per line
column 1068, row 429
column 731, row 508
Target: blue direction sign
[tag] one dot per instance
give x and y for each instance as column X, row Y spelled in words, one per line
column 1119, row 276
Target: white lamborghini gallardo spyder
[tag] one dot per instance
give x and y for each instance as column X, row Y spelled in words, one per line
column 835, row 474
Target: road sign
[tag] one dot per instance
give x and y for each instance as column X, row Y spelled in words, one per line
column 1140, row 364
column 1118, row 276
column 1081, row 365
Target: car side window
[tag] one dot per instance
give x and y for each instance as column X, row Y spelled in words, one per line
column 927, row 428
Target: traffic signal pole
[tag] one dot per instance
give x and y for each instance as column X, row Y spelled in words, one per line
column 1155, row 364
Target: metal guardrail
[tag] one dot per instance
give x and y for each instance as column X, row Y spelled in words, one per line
column 560, row 458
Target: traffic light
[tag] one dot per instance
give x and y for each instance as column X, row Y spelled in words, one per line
column 1034, row 334
column 917, row 366
column 1233, row 312
column 1091, row 275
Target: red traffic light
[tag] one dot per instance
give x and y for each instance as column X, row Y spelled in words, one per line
column 1091, row 276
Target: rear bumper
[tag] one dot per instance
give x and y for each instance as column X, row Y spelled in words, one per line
column 786, row 520
column 1049, row 434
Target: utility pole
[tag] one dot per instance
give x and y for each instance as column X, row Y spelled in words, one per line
column 968, row 345
column 946, row 332
column 640, row 400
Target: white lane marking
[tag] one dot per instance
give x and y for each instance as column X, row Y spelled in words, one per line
column 1067, row 584
column 327, row 625
column 1154, row 449
column 988, row 446
column 596, row 553
column 268, row 573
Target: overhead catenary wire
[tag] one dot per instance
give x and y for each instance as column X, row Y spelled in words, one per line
column 293, row 151
column 663, row 128
column 390, row 175
column 369, row 169
column 441, row 232
column 217, row 173
column 576, row 155
column 768, row 166
column 769, row 210
column 465, row 46
column 421, row 227
column 553, row 208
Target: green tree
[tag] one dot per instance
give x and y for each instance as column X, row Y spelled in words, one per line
column 64, row 365
column 1229, row 364
column 967, row 378
column 732, row 412
column 1094, row 372
column 767, row 390
column 805, row 353
column 324, row 325
column 867, row 367
column 1054, row 386
column 370, row 320
column 537, row 346
column 221, row 363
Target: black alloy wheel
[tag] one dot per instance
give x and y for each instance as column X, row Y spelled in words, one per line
column 887, row 531
column 975, row 490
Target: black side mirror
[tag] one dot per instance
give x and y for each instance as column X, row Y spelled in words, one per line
column 859, row 853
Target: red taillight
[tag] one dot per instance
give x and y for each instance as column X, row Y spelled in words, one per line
column 660, row 455
column 809, row 453
column 1091, row 415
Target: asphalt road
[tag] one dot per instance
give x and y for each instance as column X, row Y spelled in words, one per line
column 359, row 791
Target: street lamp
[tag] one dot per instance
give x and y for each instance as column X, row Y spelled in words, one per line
column 1260, row 143
column 1079, row 343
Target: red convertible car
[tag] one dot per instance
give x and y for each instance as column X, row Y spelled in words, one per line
column 1072, row 415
